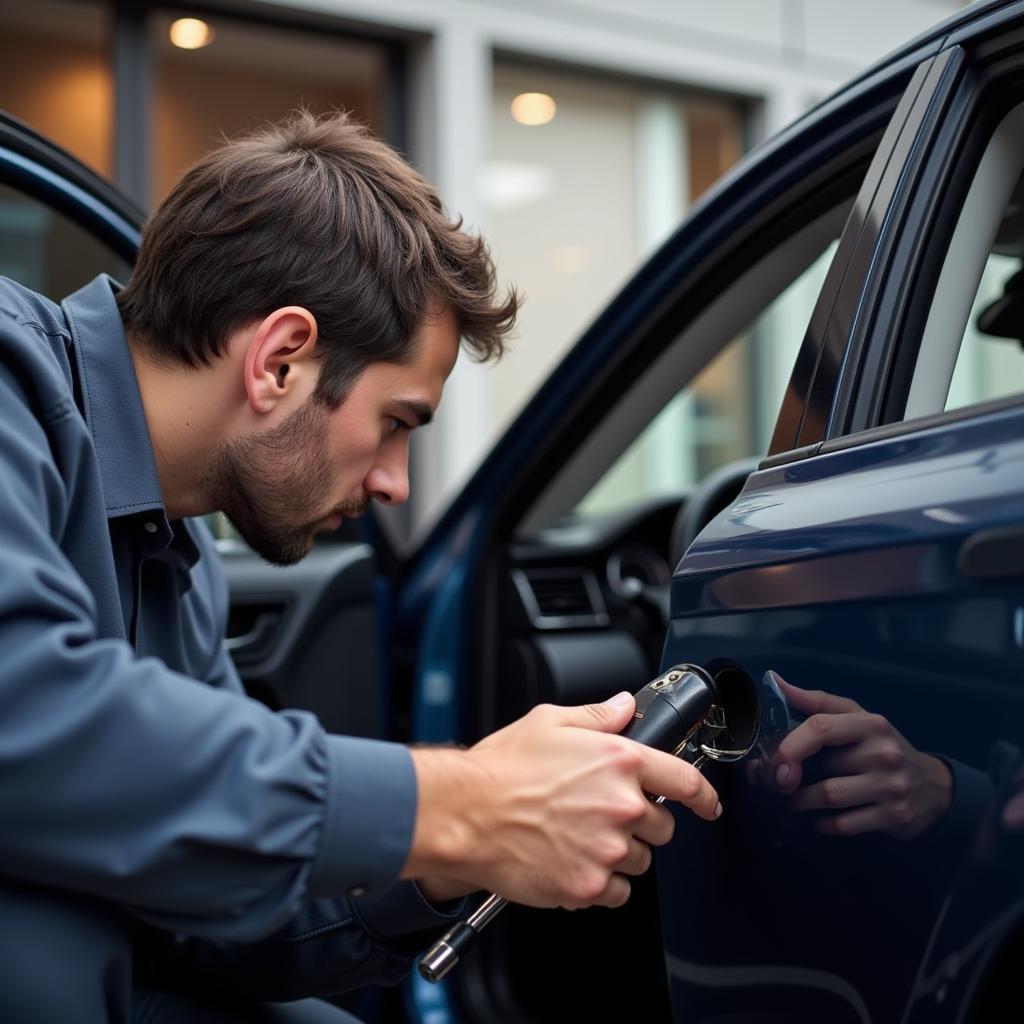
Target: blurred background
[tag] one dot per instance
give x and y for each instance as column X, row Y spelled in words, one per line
column 575, row 134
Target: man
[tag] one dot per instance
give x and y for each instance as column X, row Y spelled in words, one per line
column 172, row 850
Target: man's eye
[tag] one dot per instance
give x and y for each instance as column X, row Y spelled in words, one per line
column 395, row 425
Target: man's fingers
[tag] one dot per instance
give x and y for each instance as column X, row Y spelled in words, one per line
column 854, row 823
column 843, row 791
column 656, row 826
column 1013, row 812
column 815, row 702
column 615, row 894
column 664, row 775
column 636, row 861
column 612, row 715
column 852, row 760
column 825, row 730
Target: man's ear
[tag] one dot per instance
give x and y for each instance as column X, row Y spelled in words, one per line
column 279, row 360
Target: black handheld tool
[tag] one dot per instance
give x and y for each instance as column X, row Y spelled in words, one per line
column 684, row 712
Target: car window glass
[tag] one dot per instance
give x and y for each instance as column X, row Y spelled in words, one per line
column 47, row 252
column 726, row 412
column 990, row 362
column 972, row 347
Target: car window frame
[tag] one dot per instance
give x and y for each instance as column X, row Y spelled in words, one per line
column 963, row 265
column 831, row 358
column 919, row 225
column 43, row 171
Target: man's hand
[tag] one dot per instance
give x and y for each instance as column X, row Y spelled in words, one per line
column 551, row 810
column 878, row 782
column 1012, row 813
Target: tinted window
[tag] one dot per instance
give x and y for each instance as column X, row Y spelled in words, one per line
column 45, row 251
column 972, row 348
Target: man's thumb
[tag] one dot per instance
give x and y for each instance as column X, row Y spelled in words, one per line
column 611, row 716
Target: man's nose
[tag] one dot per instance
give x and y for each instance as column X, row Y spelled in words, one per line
column 388, row 480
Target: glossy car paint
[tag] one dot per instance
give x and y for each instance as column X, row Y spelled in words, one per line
column 846, row 572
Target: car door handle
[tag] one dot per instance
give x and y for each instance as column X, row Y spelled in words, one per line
column 263, row 628
column 992, row 554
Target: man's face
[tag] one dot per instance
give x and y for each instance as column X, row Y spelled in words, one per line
column 281, row 487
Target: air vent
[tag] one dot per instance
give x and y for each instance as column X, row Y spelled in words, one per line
column 561, row 598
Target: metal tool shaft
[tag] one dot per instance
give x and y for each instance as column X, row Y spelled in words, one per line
column 445, row 953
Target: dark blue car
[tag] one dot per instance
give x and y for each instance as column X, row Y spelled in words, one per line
column 871, row 556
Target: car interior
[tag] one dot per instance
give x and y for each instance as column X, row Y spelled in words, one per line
column 580, row 610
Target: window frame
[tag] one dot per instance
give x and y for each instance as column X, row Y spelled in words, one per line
column 960, row 275
column 39, row 169
column 918, row 225
column 834, row 353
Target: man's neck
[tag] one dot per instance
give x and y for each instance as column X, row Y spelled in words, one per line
column 184, row 413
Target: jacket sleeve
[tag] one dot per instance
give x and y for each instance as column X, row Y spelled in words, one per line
column 196, row 808
column 329, row 947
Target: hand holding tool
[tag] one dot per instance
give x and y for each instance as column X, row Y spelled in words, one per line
column 685, row 712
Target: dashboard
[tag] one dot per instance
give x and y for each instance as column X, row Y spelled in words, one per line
column 584, row 607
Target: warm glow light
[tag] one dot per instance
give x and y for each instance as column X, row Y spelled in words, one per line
column 191, row 33
column 533, row 108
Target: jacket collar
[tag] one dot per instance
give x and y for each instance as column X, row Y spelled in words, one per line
column 111, row 401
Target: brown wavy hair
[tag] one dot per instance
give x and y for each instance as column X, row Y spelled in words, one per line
column 314, row 212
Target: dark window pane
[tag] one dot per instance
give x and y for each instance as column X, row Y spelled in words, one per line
column 45, row 251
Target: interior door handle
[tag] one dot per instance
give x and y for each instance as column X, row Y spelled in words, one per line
column 262, row 629
column 992, row 554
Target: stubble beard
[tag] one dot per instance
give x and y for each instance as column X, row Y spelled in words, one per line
column 268, row 484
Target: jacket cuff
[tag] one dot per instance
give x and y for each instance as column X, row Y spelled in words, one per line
column 404, row 909
column 369, row 817
column 972, row 797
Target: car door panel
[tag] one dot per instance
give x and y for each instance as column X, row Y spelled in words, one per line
column 306, row 636
column 846, row 573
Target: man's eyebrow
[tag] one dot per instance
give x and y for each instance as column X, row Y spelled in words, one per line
column 420, row 411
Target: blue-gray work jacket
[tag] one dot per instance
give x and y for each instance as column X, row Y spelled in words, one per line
column 132, row 766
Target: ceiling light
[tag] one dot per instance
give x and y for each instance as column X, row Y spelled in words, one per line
column 533, row 108
column 191, row 33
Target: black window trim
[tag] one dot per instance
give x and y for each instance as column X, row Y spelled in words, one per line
column 831, row 353
column 907, row 178
column 932, row 198
column 805, row 381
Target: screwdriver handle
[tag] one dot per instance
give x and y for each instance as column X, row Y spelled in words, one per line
column 444, row 954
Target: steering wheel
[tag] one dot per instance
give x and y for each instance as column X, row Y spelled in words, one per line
column 715, row 492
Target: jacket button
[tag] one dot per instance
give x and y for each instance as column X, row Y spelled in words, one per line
column 356, row 890
column 150, row 526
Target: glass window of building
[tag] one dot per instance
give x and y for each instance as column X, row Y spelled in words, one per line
column 55, row 74
column 585, row 177
column 219, row 77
